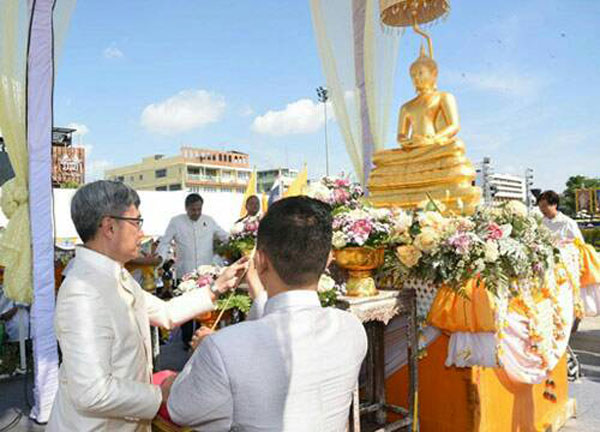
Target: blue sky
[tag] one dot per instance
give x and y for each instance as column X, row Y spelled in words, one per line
column 526, row 76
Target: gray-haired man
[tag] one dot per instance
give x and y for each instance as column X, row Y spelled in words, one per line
column 103, row 317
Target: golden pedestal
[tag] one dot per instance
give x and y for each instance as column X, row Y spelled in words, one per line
column 406, row 178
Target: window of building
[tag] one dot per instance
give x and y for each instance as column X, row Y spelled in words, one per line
column 193, row 170
column 175, row 187
column 210, row 189
column 160, row 173
column 226, row 190
column 131, row 178
column 141, row 176
column 161, row 188
column 120, row 178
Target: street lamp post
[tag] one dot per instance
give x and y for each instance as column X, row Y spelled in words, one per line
column 323, row 95
column 528, row 185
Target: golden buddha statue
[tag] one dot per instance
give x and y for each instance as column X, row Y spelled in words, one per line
column 431, row 161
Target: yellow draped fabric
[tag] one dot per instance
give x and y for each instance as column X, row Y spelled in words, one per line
column 590, row 264
column 453, row 312
column 250, row 190
column 298, row 185
column 15, row 245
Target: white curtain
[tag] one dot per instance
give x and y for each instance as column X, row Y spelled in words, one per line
column 49, row 19
column 26, row 84
column 359, row 59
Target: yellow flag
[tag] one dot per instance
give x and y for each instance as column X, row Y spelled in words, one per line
column 298, row 184
column 250, row 190
column 264, row 203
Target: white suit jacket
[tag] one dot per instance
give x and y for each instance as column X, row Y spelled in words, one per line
column 294, row 369
column 102, row 324
column 193, row 242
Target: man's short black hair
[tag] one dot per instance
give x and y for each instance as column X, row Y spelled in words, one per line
column 550, row 197
column 192, row 199
column 296, row 236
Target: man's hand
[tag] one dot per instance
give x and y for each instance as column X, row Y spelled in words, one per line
column 231, row 276
column 199, row 336
column 165, row 387
column 255, row 286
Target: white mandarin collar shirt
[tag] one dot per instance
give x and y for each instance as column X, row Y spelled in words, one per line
column 193, row 242
column 292, row 368
column 295, row 299
column 563, row 228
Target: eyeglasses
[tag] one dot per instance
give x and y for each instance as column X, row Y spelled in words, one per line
column 137, row 221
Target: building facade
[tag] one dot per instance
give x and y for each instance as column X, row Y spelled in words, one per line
column 503, row 187
column 193, row 170
column 265, row 179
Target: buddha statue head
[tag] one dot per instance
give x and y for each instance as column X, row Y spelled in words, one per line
column 423, row 72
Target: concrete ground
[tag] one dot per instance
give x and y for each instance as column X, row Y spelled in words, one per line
column 586, row 344
column 16, row 393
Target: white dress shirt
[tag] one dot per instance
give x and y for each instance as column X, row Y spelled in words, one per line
column 102, row 323
column 193, row 242
column 563, row 228
column 293, row 369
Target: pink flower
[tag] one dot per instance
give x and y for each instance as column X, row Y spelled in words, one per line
column 494, row 231
column 460, row 241
column 340, row 196
column 361, row 228
column 252, row 226
column 342, row 182
column 204, row 280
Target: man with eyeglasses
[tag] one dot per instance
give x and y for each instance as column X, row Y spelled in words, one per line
column 194, row 235
column 103, row 318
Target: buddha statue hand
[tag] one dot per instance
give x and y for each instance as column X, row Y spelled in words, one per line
column 417, row 141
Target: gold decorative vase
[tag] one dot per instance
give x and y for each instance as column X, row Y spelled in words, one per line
column 360, row 262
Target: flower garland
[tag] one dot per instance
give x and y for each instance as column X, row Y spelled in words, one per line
column 241, row 240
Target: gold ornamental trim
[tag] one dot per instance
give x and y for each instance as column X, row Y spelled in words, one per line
column 404, row 13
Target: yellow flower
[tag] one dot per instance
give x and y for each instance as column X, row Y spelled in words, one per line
column 427, row 240
column 408, row 255
column 434, row 220
column 491, row 251
column 517, row 208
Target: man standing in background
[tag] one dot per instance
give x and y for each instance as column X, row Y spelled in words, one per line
column 194, row 235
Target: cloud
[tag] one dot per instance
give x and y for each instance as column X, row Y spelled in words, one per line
column 112, row 52
column 94, row 169
column 246, row 111
column 300, row 117
column 82, row 130
column 187, row 110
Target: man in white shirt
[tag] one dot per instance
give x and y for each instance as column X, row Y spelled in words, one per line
column 293, row 365
column 103, row 318
column 564, row 229
column 194, row 235
column 13, row 316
